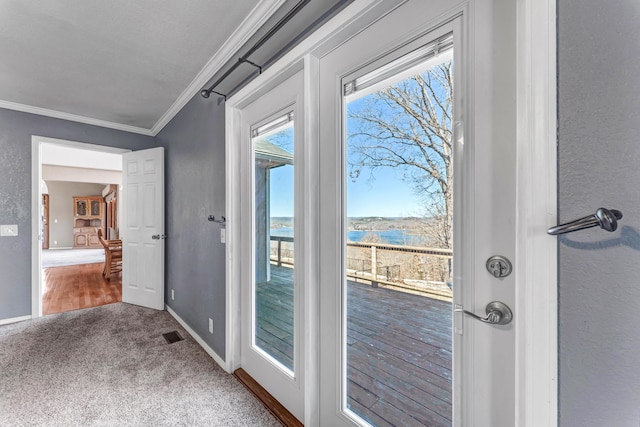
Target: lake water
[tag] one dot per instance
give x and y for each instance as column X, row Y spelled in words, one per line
column 390, row 237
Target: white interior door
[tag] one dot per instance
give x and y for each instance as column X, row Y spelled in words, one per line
column 398, row 367
column 271, row 243
column 142, row 228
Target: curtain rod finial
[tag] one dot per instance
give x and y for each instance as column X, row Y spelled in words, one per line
column 205, row 93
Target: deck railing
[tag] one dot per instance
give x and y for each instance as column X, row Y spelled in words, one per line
column 409, row 268
column 282, row 255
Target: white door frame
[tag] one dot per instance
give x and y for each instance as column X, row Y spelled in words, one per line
column 536, row 267
column 36, row 197
column 536, row 253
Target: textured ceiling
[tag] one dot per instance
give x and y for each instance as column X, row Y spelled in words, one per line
column 121, row 62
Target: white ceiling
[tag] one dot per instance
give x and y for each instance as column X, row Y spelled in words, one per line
column 124, row 64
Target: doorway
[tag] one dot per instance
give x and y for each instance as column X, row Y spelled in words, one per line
column 74, row 278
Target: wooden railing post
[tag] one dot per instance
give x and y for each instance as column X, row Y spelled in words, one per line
column 279, row 252
column 374, row 267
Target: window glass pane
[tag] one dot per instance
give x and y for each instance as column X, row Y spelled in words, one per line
column 398, row 249
column 273, row 239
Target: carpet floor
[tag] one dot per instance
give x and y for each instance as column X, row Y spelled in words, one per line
column 111, row 366
column 62, row 257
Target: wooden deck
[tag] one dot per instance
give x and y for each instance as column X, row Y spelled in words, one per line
column 274, row 311
column 399, row 350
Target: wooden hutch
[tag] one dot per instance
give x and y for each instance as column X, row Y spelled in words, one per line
column 88, row 212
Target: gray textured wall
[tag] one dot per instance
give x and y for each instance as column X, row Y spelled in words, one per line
column 61, row 209
column 16, row 129
column 599, row 155
column 195, row 188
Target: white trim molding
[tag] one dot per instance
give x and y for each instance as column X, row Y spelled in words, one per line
column 198, row 339
column 14, row 320
column 233, row 261
column 536, row 252
column 36, row 237
column 311, row 187
column 73, row 117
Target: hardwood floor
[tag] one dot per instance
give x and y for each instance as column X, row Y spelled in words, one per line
column 78, row 286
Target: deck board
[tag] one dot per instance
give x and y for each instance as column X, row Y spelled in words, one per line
column 399, row 349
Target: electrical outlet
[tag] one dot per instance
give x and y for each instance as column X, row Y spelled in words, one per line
column 173, row 295
column 9, row 230
column 210, row 325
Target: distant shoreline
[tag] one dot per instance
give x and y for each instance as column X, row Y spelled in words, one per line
column 390, row 236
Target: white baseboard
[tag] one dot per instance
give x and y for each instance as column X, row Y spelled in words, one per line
column 199, row 340
column 15, row 320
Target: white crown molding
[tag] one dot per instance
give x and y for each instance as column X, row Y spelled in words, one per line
column 252, row 23
column 72, row 117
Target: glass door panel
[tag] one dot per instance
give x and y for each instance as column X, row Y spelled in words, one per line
column 273, row 317
column 271, row 289
column 397, row 246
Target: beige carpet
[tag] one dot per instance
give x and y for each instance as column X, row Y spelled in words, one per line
column 110, row 366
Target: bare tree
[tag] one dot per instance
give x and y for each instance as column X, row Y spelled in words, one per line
column 408, row 126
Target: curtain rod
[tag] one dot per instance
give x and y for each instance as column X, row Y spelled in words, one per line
column 281, row 23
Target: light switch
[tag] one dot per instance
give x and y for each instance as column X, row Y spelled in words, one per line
column 223, row 235
column 9, row 230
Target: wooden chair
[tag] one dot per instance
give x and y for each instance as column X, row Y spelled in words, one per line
column 112, row 256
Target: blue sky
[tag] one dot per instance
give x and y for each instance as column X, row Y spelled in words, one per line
column 282, row 191
column 386, row 194
column 381, row 192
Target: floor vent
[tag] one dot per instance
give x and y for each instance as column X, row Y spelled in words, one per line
column 172, row 337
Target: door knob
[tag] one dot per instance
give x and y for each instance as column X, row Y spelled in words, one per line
column 498, row 313
column 159, row 236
